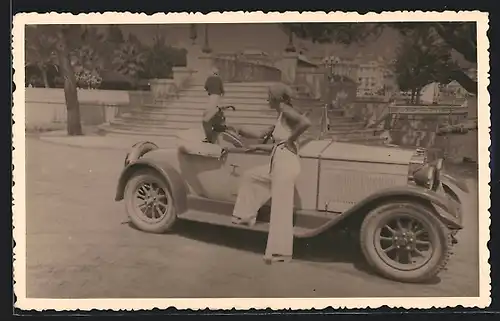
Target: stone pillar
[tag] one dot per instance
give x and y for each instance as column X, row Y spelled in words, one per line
column 288, row 67
column 162, row 89
column 198, row 63
column 290, row 47
column 182, row 77
column 206, row 46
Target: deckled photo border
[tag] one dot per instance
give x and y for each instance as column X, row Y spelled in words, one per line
column 19, row 193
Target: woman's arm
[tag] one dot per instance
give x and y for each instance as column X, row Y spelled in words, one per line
column 250, row 148
column 262, row 147
column 301, row 122
column 252, row 133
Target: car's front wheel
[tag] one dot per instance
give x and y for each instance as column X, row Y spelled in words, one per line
column 404, row 241
column 149, row 203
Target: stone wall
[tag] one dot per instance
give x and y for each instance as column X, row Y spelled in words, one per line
column 47, row 105
column 416, row 126
column 368, row 110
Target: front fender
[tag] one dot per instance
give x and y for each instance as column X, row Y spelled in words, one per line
column 446, row 209
column 174, row 180
column 447, row 179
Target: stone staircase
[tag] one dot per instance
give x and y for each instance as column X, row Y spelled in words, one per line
column 165, row 117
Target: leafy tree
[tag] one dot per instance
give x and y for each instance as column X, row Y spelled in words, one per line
column 59, row 40
column 40, row 51
column 73, row 49
column 459, row 36
column 421, row 60
column 87, row 58
column 65, row 34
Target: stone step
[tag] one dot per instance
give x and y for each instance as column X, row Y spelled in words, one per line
column 240, row 106
column 195, row 119
column 265, row 112
column 235, row 100
column 138, row 124
column 155, row 110
column 183, row 103
column 187, row 124
column 200, row 92
column 229, row 92
column 238, row 86
column 171, row 132
column 202, row 98
column 249, row 118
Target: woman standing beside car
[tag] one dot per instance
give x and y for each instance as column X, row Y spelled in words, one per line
column 275, row 180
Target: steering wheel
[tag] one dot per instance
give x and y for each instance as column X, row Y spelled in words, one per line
column 268, row 136
column 219, row 119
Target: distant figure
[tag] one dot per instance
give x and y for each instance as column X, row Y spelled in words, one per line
column 215, row 90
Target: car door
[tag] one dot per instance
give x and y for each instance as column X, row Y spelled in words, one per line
column 234, row 166
column 218, row 178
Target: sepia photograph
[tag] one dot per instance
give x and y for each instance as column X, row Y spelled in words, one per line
column 209, row 161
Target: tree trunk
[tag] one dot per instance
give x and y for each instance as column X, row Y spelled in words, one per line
column 412, row 99
column 74, row 126
column 465, row 81
column 45, row 79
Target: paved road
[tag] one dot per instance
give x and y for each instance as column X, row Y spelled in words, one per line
column 79, row 245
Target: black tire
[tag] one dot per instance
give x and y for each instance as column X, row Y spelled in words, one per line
column 376, row 230
column 134, row 191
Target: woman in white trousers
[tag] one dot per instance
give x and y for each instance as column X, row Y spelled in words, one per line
column 276, row 180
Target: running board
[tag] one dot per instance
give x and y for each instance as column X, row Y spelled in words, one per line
column 204, row 210
column 225, row 220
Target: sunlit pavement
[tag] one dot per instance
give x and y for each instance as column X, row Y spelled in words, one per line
column 79, row 245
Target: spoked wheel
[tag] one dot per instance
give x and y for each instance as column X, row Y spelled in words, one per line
column 405, row 242
column 149, row 203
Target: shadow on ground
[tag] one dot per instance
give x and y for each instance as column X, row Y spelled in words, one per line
column 325, row 248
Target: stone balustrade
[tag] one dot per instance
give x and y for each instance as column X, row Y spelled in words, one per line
column 311, row 82
column 417, row 126
column 238, row 69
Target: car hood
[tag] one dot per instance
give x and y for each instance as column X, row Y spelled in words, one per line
column 355, row 152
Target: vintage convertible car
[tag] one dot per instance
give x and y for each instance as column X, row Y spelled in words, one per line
column 400, row 203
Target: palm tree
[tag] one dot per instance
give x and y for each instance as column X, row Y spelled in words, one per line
column 130, row 58
column 160, row 58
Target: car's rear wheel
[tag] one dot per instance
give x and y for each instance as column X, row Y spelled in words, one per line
column 149, row 202
column 404, row 241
